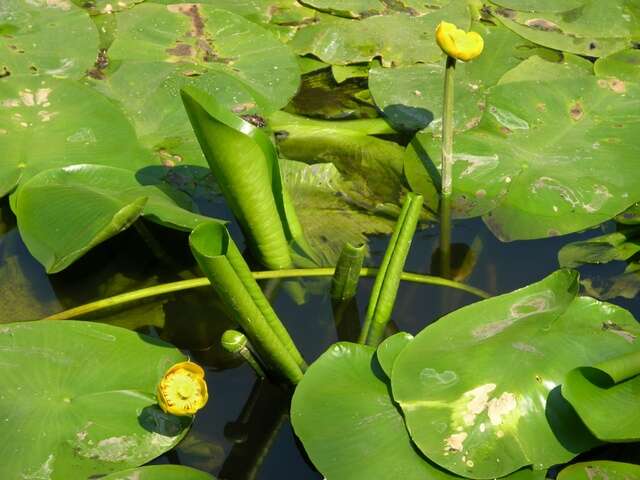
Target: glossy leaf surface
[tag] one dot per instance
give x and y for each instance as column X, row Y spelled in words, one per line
column 466, row 406
column 85, row 205
column 53, row 375
column 606, row 395
column 600, row 470
column 540, row 162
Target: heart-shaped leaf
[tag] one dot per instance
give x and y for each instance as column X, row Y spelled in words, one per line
column 53, row 375
column 539, row 163
column 469, row 410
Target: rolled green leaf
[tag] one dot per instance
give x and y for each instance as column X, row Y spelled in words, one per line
column 387, row 281
column 606, row 396
column 345, row 279
column 245, row 163
column 220, row 259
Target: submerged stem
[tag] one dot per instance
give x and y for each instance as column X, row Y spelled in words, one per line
column 447, row 168
column 201, row 282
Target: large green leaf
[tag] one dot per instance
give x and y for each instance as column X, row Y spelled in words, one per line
column 45, row 37
column 48, row 123
column 595, row 28
column 466, row 406
column 63, row 213
column 540, row 162
column 540, row 5
column 398, row 38
column 607, row 395
column 367, row 8
column 600, row 470
column 411, row 96
column 160, row 472
column 350, row 427
column 78, row 400
column 160, row 49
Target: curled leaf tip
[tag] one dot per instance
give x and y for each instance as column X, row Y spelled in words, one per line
column 457, row 43
column 182, row 389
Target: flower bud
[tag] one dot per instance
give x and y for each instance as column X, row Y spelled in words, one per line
column 457, row 43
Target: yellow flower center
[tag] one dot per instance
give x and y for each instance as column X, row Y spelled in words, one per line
column 182, row 390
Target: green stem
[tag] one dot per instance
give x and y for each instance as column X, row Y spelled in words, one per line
column 220, row 259
column 387, row 281
column 202, row 282
column 447, row 168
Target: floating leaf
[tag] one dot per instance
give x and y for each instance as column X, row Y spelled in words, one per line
column 390, row 348
column 595, row 28
column 540, row 5
column 466, row 407
column 46, row 37
column 626, row 284
column 160, row 472
column 63, row 213
column 398, row 38
column 620, row 245
column 346, row 391
column 539, row 163
column 624, row 65
column 411, row 96
column 600, row 470
column 607, row 394
column 537, row 68
column 53, row 374
column 48, row 123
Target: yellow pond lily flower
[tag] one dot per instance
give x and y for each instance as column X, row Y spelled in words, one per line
column 182, row 390
column 457, row 43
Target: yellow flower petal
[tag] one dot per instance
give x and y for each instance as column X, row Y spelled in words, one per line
column 457, row 43
column 183, row 390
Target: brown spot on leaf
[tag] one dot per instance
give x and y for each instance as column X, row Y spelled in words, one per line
column 541, row 107
column 618, row 330
column 255, row 120
column 102, row 62
column 190, row 10
column 617, row 86
column 506, row 13
column 506, row 130
column 180, row 50
column 576, row 112
column 542, row 24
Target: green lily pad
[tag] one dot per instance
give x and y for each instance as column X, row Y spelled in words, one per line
column 540, row 5
column 411, row 96
column 594, row 28
column 620, row 245
column 99, row 7
column 48, row 123
column 46, row 37
column 53, row 374
column 350, row 427
column 607, row 394
column 203, row 38
column 625, row 285
column 539, row 163
column 398, row 38
column 600, row 470
column 624, row 65
column 244, row 66
column 466, row 406
column 63, row 213
column 537, row 68
column 160, row 472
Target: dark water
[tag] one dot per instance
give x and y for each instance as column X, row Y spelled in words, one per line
column 244, row 432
